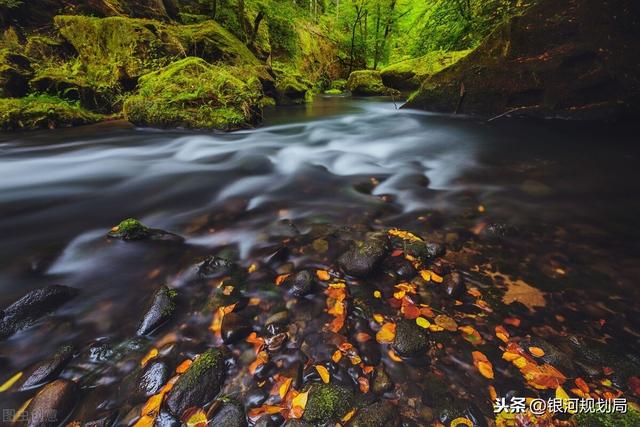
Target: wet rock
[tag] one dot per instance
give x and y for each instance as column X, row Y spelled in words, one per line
column 200, row 384
column 100, row 351
column 32, row 307
column 48, row 369
column 52, row 404
column 380, row 414
column 275, row 342
column 552, row 355
column 300, row 283
column 366, row 83
column 165, row 419
column 230, row 414
column 411, row 339
column 364, row 257
column 327, row 402
column 153, row 377
column 297, row 423
column 496, row 231
column 454, row 285
column 215, row 266
column 426, row 251
column 132, row 230
column 400, row 267
column 234, row 327
column 269, row 421
column 160, row 310
column 276, row 323
column 454, row 409
column 381, row 381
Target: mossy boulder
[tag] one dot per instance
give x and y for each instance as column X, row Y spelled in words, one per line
column 409, row 74
column 366, row 83
column 75, row 88
column 290, row 87
column 130, row 229
column 411, row 340
column 558, row 59
column 15, row 72
column 45, row 48
column 42, row 112
column 379, row 414
column 327, row 402
column 195, row 94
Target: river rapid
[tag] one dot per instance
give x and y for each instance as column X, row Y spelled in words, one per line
column 561, row 197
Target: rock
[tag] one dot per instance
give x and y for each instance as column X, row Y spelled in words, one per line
column 48, row 369
column 227, row 98
column 557, row 59
column 52, row 404
column 57, row 82
column 380, row 414
column 131, row 230
column 230, row 414
column 411, row 339
column 32, row 307
column 339, row 84
column 454, row 285
column 42, row 112
column 381, row 381
column 409, row 74
column 213, row 267
column 366, row 83
column 153, row 377
column 327, row 402
column 199, row 384
column 234, row 327
column 15, row 73
column 166, row 419
column 160, row 310
column 291, row 88
column 364, row 257
column 552, row 355
column 297, row 423
column 300, row 283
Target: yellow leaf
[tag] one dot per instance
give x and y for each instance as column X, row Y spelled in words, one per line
column 323, row 275
column 348, row 415
column 253, row 267
column 377, row 294
column 520, row 362
column 145, row 421
column 422, row 322
column 150, row 355
column 378, row 318
column 11, row 381
column 404, row 235
column 337, row 355
column 324, row 373
column 300, row 400
column 21, row 410
column 436, row 278
column 426, row 275
column 536, row 351
column 198, row 418
column 461, row 421
column 284, row 388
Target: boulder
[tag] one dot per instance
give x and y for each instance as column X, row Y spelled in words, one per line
column 567, row 59
column 327, row 402
column 15, row 73
column 160, row 310
column 52, row 404
column 366, row 83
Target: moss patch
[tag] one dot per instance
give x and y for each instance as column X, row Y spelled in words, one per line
column 42, row 112
column 407, row 75
column 327, row 402
column 193, row 93
column 130, row 229
column 15, row 72
column 630, row 419
column 366, row 83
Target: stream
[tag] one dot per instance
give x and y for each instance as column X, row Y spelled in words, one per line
column 553, row 203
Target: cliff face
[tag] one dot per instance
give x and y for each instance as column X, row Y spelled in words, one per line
column 561, row 58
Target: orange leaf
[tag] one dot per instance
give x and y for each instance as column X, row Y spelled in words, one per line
column 386, row 334
column 323, row 275
column 337, row 355
column 281, row 278
column 364, row 384
column 393, row 356
column 182, row 368
column 483, row 365
column 536, row 351
column 502, row 334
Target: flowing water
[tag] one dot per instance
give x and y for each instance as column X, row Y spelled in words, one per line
column 566, row 192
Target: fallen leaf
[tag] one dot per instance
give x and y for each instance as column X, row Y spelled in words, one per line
column 404, row 235
column 536, row 351
column 483, row 365
column 523, row 293
column 422, row 322
column 11, row 381
column 386, row 334
column 446, row 322
column 324, row 373
column 150, row 355
column 323, row 275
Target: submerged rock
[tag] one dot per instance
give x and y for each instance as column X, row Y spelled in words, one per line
column 52, row 404
column 153, row 377
column 200, row 384
column 300, row 283
column 366, row 83
column 230, row 414
column 379, row 414
column 411, row 339
column 160, row 310
column 131, row 229
column 381, row 381
column 234, row 327
column 215, row 266
column 327, row 402
column 48, row 369
column 364, row 257
column 32, row 307
column 454, row 285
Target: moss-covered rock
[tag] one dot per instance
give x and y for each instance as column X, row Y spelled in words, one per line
column 559, row 59
column 46, row 49
column 75, row 88
column 327, row 402
column 411, row 339
column 366, row 83
column 379, row 414
column 193, row 93
column 408, row 75
column 290, row 87
column 42, row 112
column 130, row 229
column 15, row 72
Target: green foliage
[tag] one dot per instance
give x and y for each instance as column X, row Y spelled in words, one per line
column 193, row 93
column 42, row 111
column 11, row 4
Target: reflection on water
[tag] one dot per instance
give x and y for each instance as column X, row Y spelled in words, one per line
column 572, row 184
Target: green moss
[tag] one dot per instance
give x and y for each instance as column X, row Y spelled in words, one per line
column 407, row 75
column 193, row 93
column 333, row 92
column 327, row 402
column 366, row 83
column 42, row 112
column 15, row 72
column 291, row 87
column 130, row 229
column 115, row 49
column 629, row 419
column 210, row 41
column 210, row 360
column 340, row 84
